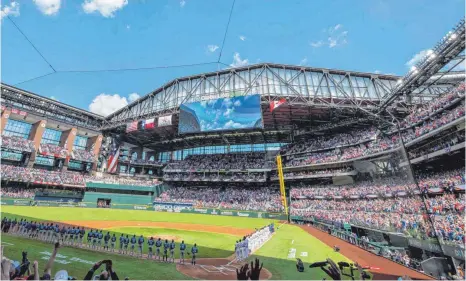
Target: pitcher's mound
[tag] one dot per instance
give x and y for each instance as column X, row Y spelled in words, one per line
column 215, row 269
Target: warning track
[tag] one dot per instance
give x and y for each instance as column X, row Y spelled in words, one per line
column 388, row 270
column 171, row 225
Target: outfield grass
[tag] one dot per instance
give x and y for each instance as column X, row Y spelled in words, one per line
column 81, row 214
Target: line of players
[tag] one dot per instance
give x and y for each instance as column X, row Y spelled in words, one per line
column 74, row 236
column 250, row 243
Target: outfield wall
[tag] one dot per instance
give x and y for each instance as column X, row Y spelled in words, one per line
column 141, row 205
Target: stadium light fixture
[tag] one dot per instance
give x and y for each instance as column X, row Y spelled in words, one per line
column 453, row 36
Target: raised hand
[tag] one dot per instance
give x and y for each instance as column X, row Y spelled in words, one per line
column 242, row 274
column 255, row 270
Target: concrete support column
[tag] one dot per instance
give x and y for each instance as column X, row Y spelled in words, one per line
column 93, row 145
column 35, row 136
column 5, row 116
column 67, row 142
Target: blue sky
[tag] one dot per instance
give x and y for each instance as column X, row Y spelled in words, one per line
column 227, row 114
column 370, row 35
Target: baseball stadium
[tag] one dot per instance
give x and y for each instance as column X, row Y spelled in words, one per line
column 256, row 171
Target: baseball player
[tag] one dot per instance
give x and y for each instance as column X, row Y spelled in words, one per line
column 158, row 244
column 99, row 239
column 90, row 235
column 172, row 250
column 113, row 240
column 245, row 248
column 106, row 240
column 133, row 244
column 182, row 249
column 122, row 242
column 82, row 233
column 237, row 251
column 166, row 246
column 140, row 244
column 126, row 244
column 151, row 244
column 194, row 252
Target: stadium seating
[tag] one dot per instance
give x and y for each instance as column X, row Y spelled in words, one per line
column 17, row 143
column 53, row 150
column 83, row 155
column 39, row 176
column 244, row 199
column 121, row 180
column 235, row 161
column 389, row 204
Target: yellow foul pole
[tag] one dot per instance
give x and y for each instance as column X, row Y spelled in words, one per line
column 281, row 180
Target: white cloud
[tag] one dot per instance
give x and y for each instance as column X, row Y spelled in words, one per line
column 48, row 7
column 238, row 62
column 228, row 112
column 10, row 10
column 105, row 104
column 212, row 48
column 416, row 58
column 377, row 72
column 232, row 125
column 133, row 96
column 182, row 3
column 336, row 36
column 303, row 61
column 316, row 44
column 106, row 8
column 242, row 38
column 128, row 26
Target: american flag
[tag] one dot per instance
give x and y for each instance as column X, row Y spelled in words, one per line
column 112, row 162
column 133, row 126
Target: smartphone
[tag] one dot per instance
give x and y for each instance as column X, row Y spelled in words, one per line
column 318, row 264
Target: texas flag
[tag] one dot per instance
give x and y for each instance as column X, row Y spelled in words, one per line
column 150, row 124
column 275, row 104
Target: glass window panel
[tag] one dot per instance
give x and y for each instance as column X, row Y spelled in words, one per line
column 17, row 129
column 51, row 136
column 80, row 142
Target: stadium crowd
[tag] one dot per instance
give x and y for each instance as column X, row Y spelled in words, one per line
column 444, row 181
column 329, row 142
column 17, row 143
column 54, row 150
column 146, row 162
column 235, row 176
column 13, row 192
column 243, row 199
column 346, row 147
column 83, row 155
column 443, row 143
column 121, row 180
column 234, row 161
column 436, row 105
column 22, row 174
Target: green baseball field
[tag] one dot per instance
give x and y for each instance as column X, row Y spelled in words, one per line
column 215, row 237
